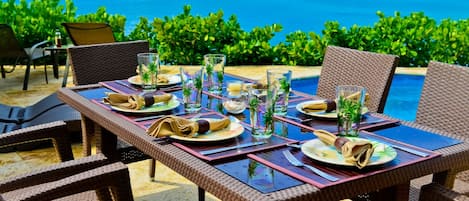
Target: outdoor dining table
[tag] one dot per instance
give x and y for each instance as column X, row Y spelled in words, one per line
column 227, row 174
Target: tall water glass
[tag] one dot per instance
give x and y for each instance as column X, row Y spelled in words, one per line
column 350, row 100
column 260, row 176
column 148, row 65
column 192, row 79
column 261, row 112
column 281, row 80
column 215, row 69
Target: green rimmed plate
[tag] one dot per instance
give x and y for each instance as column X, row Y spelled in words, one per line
column 155, row 108
column 172, row 80
column 321, row 114
column 317, row 150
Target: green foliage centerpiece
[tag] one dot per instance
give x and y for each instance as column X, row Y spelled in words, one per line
column 350, row 101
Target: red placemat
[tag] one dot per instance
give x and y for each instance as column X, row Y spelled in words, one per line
column 121, row 86
column 196, row 147
column 276, row 160
column 368, row 121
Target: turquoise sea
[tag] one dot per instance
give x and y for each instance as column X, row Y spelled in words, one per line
column 304, row 15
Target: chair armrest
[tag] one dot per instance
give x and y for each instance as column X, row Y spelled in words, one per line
column 35, row 46
column 52, row 172
column 115, row 175
column 56, row 131
column 437, row 192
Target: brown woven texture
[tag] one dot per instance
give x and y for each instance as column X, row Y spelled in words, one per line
column 56, row 131
column 81, row 177
column 66, row 178
column 103, row 62
column 89, row 33
column 226, row 187
column 344, row 66
column 444, row 100
column 437, row 192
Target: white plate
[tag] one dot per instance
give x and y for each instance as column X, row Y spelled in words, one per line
column 172, row 80
column 233, row 130
column 157, row 107
column 321, row 114
column 319, row 151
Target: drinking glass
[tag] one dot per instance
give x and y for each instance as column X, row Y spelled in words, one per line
column 281, row 79
column 148, row 65
column 350, row 101
column 261, row 109
column 215, row 69
column 192, row 79
column 260, row 175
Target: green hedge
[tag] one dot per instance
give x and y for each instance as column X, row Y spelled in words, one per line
column 185, row 38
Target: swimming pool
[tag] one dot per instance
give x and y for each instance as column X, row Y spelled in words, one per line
column 402, row 100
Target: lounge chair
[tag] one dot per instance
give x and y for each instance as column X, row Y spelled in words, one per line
column 47, row 110
column 89, row 33
column 12, row 53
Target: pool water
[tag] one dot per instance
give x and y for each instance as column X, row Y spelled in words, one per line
column 402, row 100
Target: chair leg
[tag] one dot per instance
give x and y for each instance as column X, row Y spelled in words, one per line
column 201, row 194
column 45, row 73
column 67, row 68
column 152, row 169
column 26, row 76
column 3, row 71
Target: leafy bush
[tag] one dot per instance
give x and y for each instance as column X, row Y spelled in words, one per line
column 252, row 48
column 36, row 21
column 450, row 42
column 185, row 38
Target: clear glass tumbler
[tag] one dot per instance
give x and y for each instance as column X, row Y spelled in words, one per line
column 281, row 79
column 350, row 101
column 148, row 65
column 215, row 69
column 261, row 109
column 192, row 79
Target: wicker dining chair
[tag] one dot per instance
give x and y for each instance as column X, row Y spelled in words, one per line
column 437, row 192
column 344, row 66
column 88, row 178
column 11, row 52
column 103, row 62
column 443, row 106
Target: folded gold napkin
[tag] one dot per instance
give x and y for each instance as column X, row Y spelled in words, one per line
column 162, row 79
column 357, row 153
column 173, row 125
column 329, row 105
column 135, row 102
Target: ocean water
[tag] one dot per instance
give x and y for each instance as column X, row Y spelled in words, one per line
column 293, row 15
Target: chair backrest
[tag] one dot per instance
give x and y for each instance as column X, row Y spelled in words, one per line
column 89, row 33
column 103, row 62
column 9, row 45
column 444, row 101
column 344, row 66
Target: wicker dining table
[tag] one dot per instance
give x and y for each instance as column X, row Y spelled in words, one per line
column 224, row 174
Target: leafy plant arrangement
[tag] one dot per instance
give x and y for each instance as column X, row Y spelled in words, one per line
column 350, row 113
